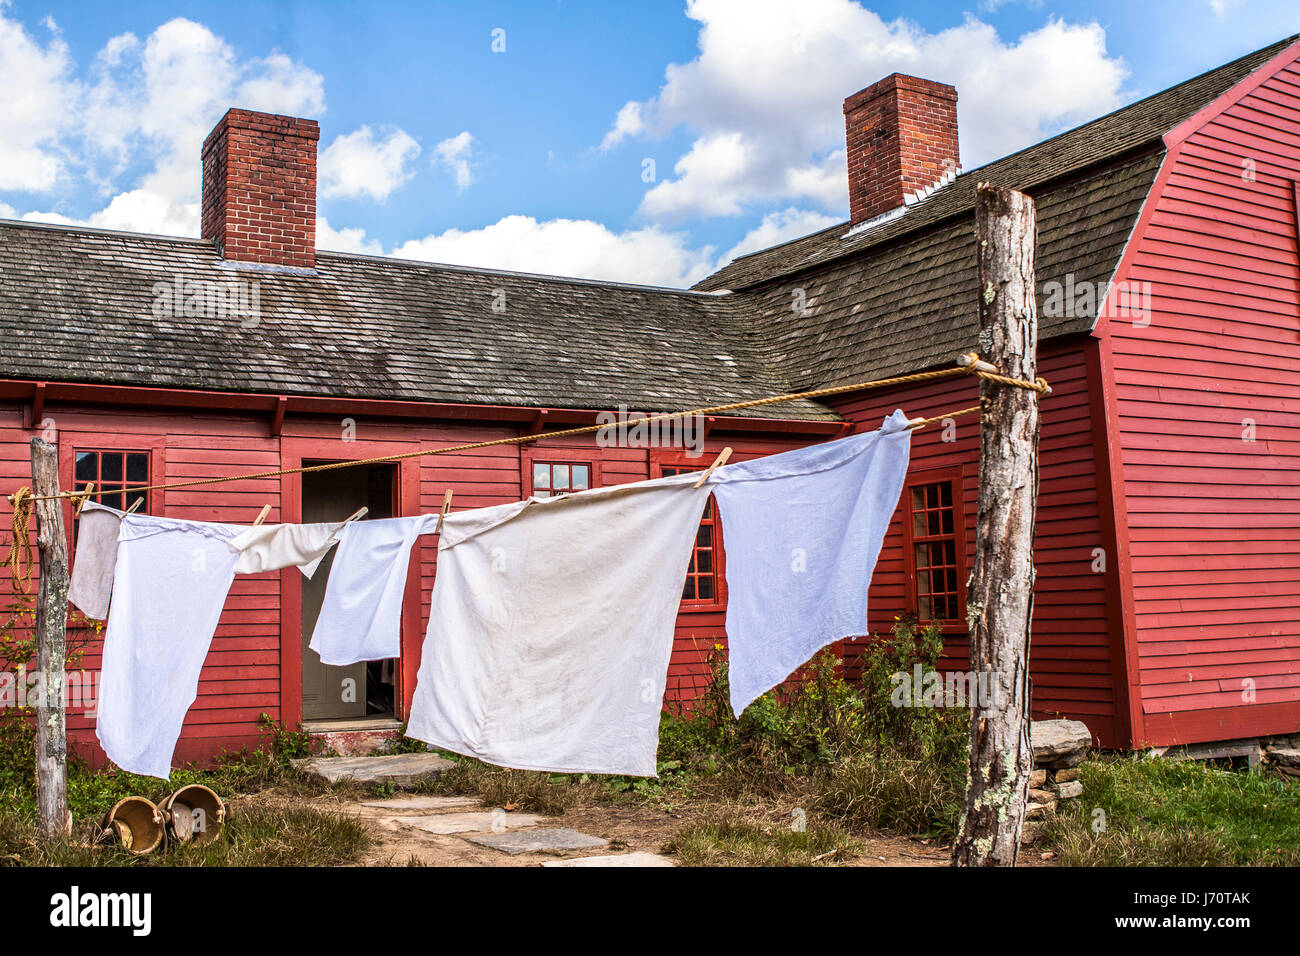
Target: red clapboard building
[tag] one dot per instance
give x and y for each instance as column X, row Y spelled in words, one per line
column 1167, row 605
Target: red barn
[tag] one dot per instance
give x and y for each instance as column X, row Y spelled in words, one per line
column 1168, row 597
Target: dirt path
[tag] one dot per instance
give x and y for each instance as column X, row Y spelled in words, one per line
column 629, row 829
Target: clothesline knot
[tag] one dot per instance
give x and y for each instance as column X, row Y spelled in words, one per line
column 20, row 545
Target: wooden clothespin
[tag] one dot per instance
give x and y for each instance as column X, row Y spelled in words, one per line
column 135, row 505
column 85, row 496
column 446, row 506
column 720, row 460
column 261, row 516
column 972, row 361
column 359, row 513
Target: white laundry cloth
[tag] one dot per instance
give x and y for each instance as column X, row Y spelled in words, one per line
column 92, row 568
column 802, row 531
column 551, row 627
column 270, row 547
column 361, row 613
column 170, row 583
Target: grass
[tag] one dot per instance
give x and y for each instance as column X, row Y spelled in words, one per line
column 726, row 840
column 859, row 765
column 887, row 791
column 262, row 833
column 256, row 836
column 1157, row 812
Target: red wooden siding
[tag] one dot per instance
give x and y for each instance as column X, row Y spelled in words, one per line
column 1213, row 520
column 1071, row 661
column 254, row 666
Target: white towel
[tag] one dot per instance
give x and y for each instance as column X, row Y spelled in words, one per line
column 270, row 547
column 551, row 627
column 802, row 531
column 170, row 583
column 361, row 613
column 92, row 568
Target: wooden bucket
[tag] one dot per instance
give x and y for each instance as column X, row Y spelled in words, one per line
column 195, row 815
column 135, row 824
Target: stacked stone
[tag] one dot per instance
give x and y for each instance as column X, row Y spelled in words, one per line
column 1059, row 748
column 1282, row 756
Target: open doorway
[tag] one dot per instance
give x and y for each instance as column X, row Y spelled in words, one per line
column 356, row 691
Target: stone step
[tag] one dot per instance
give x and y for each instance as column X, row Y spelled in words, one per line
column 401, row 770
column 534, row 841
column 489, row 821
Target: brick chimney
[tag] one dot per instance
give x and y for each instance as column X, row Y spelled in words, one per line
column 259, row 188
column 901, row 135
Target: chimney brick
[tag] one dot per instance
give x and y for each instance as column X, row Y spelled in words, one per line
column 259, row 188
column 901, row 135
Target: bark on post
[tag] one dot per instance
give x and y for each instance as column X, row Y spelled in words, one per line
column 51, row 646
column 1000, row 594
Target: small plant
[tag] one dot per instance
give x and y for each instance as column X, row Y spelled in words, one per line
column 286, row 745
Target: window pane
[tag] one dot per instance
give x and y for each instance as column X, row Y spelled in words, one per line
column 112, row 500
column 137, row 468
column 541, row 476
column 560, row 477
column 705, row 561
column 580, row 477
column 87, row 466
column 935, row 545
column 111, row 465
column 131, row 497
column 688, row 592
column 705, row 587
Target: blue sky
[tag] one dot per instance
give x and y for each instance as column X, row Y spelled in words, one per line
column 642, row 142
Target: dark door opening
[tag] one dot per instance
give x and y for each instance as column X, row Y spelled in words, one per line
column 360, row 690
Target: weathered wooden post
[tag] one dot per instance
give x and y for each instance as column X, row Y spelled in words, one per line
column 1000, row 596
column 51, row 645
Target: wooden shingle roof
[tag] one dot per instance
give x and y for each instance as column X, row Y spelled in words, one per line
column 1033, row 170
column 78, row 305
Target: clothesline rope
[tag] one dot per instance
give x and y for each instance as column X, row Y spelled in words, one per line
column 24, row 495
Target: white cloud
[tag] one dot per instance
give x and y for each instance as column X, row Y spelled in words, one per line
column 568, row 247
column 345, row 240
column 778, row 227
column 139, row 210
column 627, row 123
column 455, row 154
column 363, row 164
column 1221, row 8
column 38, row 94
column 156, row 100
column 764, row 96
